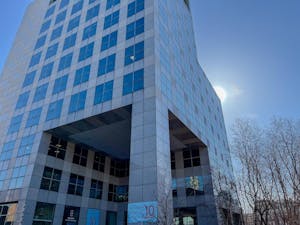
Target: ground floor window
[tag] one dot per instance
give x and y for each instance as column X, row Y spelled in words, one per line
column 185, row 216
column 71, row 215
column 111, row 218
column 44, row 213
column 7, row 213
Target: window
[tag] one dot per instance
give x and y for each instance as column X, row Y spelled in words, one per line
column 56, row 33
column 111, row 3
column 106, row 65
column 134, row 53
column 65, row 62
column 111, row 218
column 57, row 148
column 86, row 52
column 70, row 41
column 29, row 78
column 50, row 12
column 22, row 100
column 194, row 186
column 51, row 179
column 135, row 28
column 77, row 102
column 80, row 155
column 109, row 41
column 26, row 145
column 71, row 212
column 15, row 124
column 7, row 150
column 173, row 161
column 96, row 189
column 33, row 117
column 73, row 23
column 92, row 1
column 60, row 84
column 174, row 187
column 64, row 3
column 104, row 92
column 51, row 51
column 17, row 177
column 89, row 31
column 191, row 157
column 82, row 75
column 35, row 59
column 40, row 42
column 93, row 12
column 135, row 7
column 61, row 17
column 44, row 214
column 133, row 82
column 99, row 162
column 46, row 70
column 45, row 26
column 77, row 7
column 119, row 168
column 40, row 93
column 118, row 193
column 76, row 184
column 8, row 213
column 111, row 19
column 54, row 110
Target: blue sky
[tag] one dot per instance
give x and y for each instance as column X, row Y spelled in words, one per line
column 250, row 48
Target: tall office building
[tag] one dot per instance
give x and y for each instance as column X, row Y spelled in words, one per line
column 107, row 118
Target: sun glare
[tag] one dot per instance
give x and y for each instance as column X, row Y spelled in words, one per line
column 222, row 94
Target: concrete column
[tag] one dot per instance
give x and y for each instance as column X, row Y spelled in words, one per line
column 150, row 194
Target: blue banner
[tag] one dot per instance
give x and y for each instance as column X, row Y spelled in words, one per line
column 142, row 212
column 93, row 217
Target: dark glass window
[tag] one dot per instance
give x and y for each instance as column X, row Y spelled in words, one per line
column 174, row 188
column 56, row 33
column 15, row 124
column 40, row 42
column 93, row 12
column 51, row 51
column 29, row 78
column 57, row 148
column 194, row 186
column 61, row 17
column 111, row 19
column 65, row 62
column 73, row 23
column 77, row 7
column 45, row 26
column 89, row 31
column 96, row 189
column 63, row 3
column 119, row 168
column 86, row 52
column 111, row 3
column 77, row 102
column 118, row 193
column 71, row 215
column 60, row 84
column 40, row 92
column 33, row 117
column 191, row 157
column 135, row 7
column 134, row 53
column 22, row 100
column 70, row 41
column 80, row 155
column 35, row 59
column 107, row 65
column 54, row 110
column 99, row 162
column 76, row 185
column 51, row 179
column 104, row 92
column 173, row 164
column 109, row 41
column 44, row 214
column 111, row 218
column 82, row 75
column 133, row 82
column 50, row 12
column 135, row 28
column 46, row 70
column 8, row 213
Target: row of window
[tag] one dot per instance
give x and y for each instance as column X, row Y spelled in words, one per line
column 191, row 158
column 52, row 177
column 58, row 146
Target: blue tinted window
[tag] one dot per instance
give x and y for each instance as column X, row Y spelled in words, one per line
column 50, row 12
column 73, row 23
column 60, row 84
column 40, row 93
column 61, row 17
column 135, row 7
column 26, row 145
column 111, row 19
column 22, row 100
column 111, row 3
column 133, row 82
column 134, row 53
column 77, row 7
column 64, row 3
column 29, row 78
column 7, row 150
column 46, row 70
column 56, row 33
column 104, row 92
column 82, row 75
column 45, row 26
column 77, row 102
column 35, row 59
column 33, row 117
column 135, row 28
column 89, row 31
column 107, row 65
column 86, row 52
column 15, row 124
column 65, row 62
column 92, row 1
column 17, row 177
column 70, row 41
column 51, row 51
column 54, row 110
column 109, row 41
column 40, row 42
column 93, row 12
